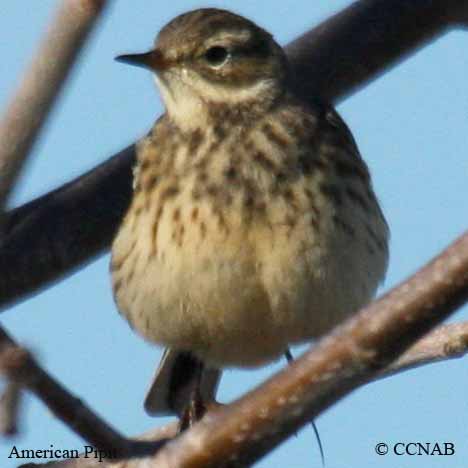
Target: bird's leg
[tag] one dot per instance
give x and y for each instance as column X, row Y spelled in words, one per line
column 196, row 407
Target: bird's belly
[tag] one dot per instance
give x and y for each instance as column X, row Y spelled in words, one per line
column 241, row 299
column 212, row 303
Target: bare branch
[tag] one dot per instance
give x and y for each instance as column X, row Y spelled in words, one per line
column 19, row 366
column 42, row 82
column 445, row 342
column 62, row 230
column 358, row 44
column 352, row 355
column 353, row 47
column 154, row 435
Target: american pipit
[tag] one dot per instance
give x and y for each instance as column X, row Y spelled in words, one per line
column 253, row 223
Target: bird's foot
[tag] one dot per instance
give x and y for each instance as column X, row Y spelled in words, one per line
column 194, row 411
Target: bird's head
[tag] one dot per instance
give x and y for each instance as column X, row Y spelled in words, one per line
column 210, row 57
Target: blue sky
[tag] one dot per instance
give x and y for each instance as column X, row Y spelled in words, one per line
column 411, row 127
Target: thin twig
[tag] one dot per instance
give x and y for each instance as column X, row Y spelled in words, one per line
column 46, row 237
column 42, row 82
column 17, row 365
column 445, row 342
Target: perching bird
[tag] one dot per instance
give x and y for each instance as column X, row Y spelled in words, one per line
column 253, row 224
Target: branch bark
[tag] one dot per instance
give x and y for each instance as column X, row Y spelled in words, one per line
column 42, row 82
column 445, row 342
column 63, row 230
column 60, row 231
column 358, row 44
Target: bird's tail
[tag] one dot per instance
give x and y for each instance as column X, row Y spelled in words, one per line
column 172, row 386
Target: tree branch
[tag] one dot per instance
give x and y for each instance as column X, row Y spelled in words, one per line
column 62, row 230
column 20, row 367
column 331, row 60
column 42, row 82
column 445, row 342
column 154, row 435
column 357, row 45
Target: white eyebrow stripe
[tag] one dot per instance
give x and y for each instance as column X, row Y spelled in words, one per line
column 243, row 35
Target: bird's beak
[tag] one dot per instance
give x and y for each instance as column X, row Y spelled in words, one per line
column 154, row 60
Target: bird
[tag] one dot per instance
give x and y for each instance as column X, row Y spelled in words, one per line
column 253, row 224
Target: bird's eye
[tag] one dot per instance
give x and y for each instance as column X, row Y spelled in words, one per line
column 216, row 55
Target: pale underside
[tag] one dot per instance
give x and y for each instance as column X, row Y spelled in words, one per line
column 221, row 256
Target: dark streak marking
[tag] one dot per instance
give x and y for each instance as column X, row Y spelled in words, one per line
column 117, row 264
column 333, row 192
column 273, row 136
column 358, row 198
column 344, row 227
column 203, row 229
